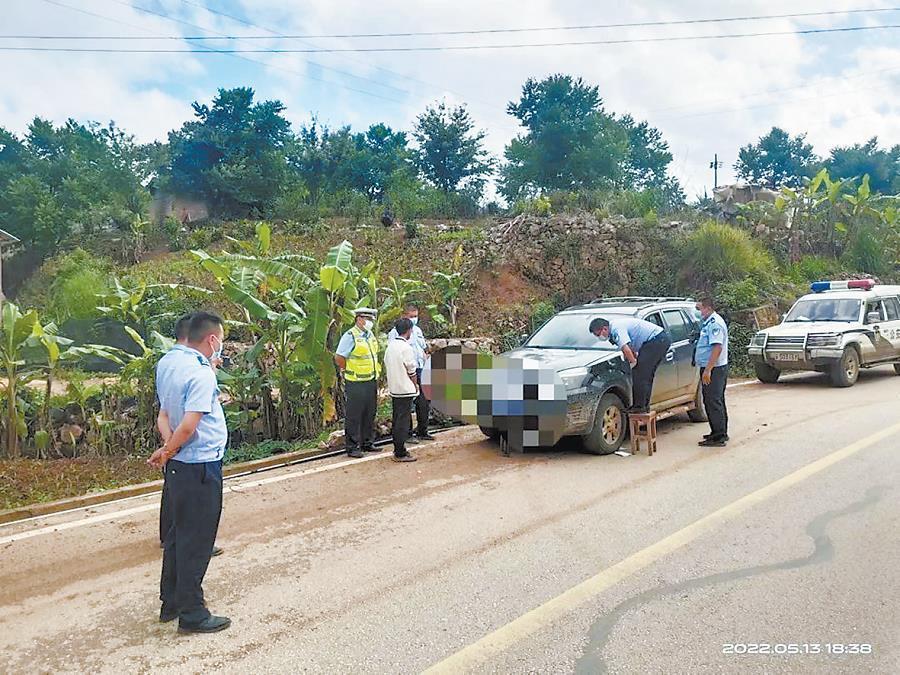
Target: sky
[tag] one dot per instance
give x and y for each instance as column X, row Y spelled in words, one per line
column 707, row 96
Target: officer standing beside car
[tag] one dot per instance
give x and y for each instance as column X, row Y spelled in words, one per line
column 357, row 359
column 711, row 356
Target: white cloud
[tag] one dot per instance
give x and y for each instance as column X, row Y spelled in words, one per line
column 706, row 96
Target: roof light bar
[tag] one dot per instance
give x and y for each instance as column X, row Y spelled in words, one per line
column 853, row 284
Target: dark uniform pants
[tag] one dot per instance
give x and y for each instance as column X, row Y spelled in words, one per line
column 423, row 409
column 648, row 359
column 714, row 402
column 359, row 414
column 401, row 415
column 193, row 493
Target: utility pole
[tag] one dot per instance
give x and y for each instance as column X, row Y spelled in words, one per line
column 715, row 165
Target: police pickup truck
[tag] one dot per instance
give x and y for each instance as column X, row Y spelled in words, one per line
column 840, row 327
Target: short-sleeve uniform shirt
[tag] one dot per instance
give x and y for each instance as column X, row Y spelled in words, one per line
column 185, row 382
column 713, row 332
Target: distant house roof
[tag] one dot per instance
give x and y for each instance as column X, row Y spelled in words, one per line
column 7, row 238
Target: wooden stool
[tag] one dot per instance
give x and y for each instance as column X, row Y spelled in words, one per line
column 643, row 428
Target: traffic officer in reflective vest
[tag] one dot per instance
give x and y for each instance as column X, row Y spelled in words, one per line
column 711, row 356
column 357, row 358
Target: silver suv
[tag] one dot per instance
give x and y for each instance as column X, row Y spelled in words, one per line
column 596, row 375
column 840, row 327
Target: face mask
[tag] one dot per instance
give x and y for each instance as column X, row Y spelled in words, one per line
column 217, row 354
column 368, row 325
column 415, row 320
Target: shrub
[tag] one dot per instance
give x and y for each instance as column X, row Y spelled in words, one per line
column 866, row 252
column 815, row 268
column 717, row 252
column 739, row 295
column 67, row 286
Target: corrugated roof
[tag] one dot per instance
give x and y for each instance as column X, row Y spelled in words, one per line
column 7, row 238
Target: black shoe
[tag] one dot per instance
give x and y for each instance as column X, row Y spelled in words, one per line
column 211, row 624
column 167, row 614
column 637, row 411
column 371, row 449
column 217, row 551
column 162, row 544
column 405, row 458
column 714, row 443
column 426, row 437
column 412, row 440
column 355, row 454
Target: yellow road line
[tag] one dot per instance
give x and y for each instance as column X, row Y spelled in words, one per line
column 540, row 617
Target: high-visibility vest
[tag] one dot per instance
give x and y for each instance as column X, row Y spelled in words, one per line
column 362, row 364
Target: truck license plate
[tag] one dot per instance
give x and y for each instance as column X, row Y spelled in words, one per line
column 786, row 356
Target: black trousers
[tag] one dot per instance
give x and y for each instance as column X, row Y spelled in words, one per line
column 648, row 359
column 401, row 416
column 194, row 496
column 714, row 402
column 359, row 414
column 422, row 407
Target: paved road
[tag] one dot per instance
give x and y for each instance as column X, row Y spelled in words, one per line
column 548, row 562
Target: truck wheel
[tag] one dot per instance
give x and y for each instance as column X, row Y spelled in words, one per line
column 845, row 372
column 490, row 432
column 698, row 412
column 609, row 427
column 766, row 373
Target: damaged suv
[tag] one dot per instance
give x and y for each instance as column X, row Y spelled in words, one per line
column 598, row 378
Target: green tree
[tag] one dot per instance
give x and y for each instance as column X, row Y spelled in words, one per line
column 75, row 178
column 776, row 160
column 572, row 144
column 881, row 165
column 451, row 152
column 232, row 155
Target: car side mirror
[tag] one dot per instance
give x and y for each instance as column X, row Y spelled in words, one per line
column 695, row 335
column 873, row 317
column 522, row 338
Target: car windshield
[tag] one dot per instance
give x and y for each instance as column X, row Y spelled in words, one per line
column 568, row 331
column 824, row 309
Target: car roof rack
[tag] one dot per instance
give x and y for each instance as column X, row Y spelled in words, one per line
column 638, row 298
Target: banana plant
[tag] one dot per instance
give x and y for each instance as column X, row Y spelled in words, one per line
column 15, row 331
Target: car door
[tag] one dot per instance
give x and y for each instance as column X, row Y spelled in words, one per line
column 890, row 329
column 875, row 320
column 682, row 349
column 665, row 384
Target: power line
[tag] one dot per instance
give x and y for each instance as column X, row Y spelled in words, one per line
column 625, row 41
column 486, row 31
column 218, row 36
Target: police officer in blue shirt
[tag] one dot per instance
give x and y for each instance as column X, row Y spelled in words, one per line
column 711, row 356
column 192, row 457
column 644, row 345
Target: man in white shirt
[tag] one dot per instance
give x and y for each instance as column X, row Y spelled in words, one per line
column 421, row 405
column 400, row 366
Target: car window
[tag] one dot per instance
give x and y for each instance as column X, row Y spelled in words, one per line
column 568, row 331
column 655, row 318
column 874, row 306
column 892, row 307
column 824, row 309
column 677, row 326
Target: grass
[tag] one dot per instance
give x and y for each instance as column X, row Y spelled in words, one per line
column 30, row 481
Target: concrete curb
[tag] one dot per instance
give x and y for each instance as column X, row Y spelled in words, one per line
column 96, row 498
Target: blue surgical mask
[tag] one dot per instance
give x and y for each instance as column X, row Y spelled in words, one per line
column 368, row 325
column 415, row 320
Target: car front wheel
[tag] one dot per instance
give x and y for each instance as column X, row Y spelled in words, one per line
column 766, row 373
column 845, row 372
column 610, row 425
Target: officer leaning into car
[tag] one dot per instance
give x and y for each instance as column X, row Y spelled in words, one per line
column 357, row 359
column 711, row 356
column 644, row 345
